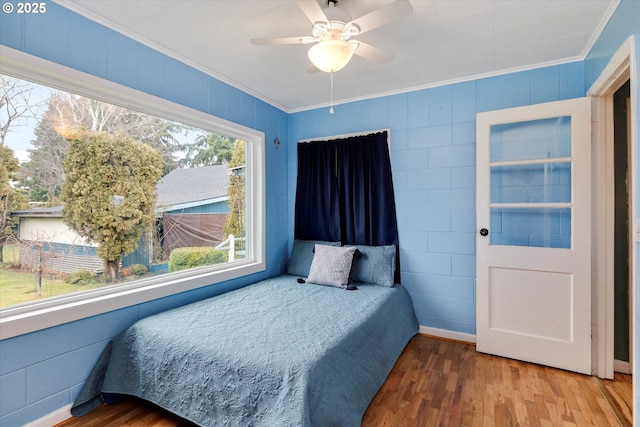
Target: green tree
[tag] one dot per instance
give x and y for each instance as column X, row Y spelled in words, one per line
column 109, row 192
column 208, row 150
column 42, row 175
column 235, row 222
column 10, row 198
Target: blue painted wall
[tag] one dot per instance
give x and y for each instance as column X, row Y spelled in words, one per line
column 624, row 23
column 433, row 140
column 42, row 372
column 433, row 159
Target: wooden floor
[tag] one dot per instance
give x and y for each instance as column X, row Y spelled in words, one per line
column 445, row 383
column 619, row 394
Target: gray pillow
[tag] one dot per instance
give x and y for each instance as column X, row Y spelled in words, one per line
column 302, row 256
column 377, row 265
column 331, row 266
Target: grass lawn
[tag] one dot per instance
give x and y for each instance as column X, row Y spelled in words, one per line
column 17, row 286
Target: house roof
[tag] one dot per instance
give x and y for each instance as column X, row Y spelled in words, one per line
column 192, row 186
column 179, row 188
column 54, row 212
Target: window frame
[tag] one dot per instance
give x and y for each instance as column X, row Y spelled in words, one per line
column 31, row 317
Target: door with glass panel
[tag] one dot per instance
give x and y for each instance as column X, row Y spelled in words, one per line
column 533, row 241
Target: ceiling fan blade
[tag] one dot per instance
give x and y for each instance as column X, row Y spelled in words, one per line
column 371, row 52
column 312, row 10
column 384, row 15
column 282, row 40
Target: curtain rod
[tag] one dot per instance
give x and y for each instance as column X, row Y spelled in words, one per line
column 347, row 135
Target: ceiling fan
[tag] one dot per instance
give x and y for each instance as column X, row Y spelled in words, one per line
column 333, row 29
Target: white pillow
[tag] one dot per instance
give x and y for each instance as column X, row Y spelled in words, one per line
column 331, row 265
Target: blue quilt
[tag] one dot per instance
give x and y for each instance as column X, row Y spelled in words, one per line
column 275, row 353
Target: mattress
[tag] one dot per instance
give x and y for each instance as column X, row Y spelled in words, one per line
column 275, row 353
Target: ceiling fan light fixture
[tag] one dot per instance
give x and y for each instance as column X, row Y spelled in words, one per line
column 331, row 55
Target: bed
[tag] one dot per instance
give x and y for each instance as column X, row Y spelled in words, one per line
column 275, row 353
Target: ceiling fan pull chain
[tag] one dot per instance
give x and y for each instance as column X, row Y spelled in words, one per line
column 331, row 104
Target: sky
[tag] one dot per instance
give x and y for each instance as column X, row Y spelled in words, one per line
column 21, row 133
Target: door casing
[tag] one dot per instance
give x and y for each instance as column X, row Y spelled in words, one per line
column 615, row 74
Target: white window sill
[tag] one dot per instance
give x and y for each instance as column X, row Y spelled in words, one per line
column 24, row 319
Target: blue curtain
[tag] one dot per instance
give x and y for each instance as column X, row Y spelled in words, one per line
column 345, row 192
column 317, row 215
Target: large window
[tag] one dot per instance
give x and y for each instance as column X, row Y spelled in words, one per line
column 113, row 195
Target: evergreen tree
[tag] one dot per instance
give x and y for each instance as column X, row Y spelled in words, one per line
column 10, row 198
column 109, row 192
column 208, row 150
column 42, row 175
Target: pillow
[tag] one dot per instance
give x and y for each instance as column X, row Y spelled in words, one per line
column 302, row 255
column 377, row 265
column 331, row 265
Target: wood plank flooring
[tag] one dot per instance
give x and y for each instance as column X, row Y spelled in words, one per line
column 445, row 383
column 619, row 392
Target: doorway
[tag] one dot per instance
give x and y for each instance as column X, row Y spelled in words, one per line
column 622, row 229
column 619, row 72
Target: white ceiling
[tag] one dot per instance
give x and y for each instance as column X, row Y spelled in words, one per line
column 443, row 41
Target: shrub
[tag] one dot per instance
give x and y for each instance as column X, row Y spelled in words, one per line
column 10, row 265
column 82, row 277
column 184, row 258
column 138, row 269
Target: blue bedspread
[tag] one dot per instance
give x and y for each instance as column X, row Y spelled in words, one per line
column 276, row 353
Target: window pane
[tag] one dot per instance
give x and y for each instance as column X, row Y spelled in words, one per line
column 536, row 139
column 536, row 227
column 137, row 223
column 537, row 183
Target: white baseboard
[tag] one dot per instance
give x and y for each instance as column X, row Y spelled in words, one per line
column 622, row 367
column 451, row 335
column 53, row 418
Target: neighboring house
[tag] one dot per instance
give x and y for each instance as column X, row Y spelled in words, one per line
column 191, row 210
column 192, row 206
column 47, row 242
